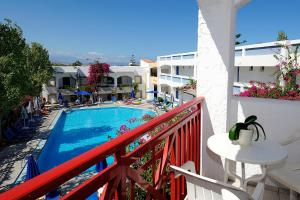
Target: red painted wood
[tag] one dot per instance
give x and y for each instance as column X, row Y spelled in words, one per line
column 132, row 189
column 194, row 139
column 172, row 177
column 199, row 141
column 183, row 155
column 114, row 177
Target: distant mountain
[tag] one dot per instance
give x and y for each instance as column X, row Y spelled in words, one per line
column 64, row 59
column 68, row 60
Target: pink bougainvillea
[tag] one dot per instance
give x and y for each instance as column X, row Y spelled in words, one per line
column 142, row 141
column 271, row 90
column 147, row 117
column 123, row 129
column 132, row 120
column 96, row 72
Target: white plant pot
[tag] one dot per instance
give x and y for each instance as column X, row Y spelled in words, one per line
column 245, row 137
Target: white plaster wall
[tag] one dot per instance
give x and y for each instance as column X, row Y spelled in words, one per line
column 255, row 60
column 216, row 36
column 184, row 62
column 147, row 80
column 280, row 118
column 255, row 75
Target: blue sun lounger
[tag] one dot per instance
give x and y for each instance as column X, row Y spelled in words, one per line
column 12, row 136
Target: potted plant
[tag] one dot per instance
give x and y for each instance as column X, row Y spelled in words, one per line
column 242, row 133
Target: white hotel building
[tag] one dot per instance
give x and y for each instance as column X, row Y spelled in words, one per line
column 118, row 83
column 167, row 75
column 252, row 62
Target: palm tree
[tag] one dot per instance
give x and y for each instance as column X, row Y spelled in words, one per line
column 237, row 37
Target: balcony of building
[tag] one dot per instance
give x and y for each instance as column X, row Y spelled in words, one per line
column 184, row 59
column 174, row 80
column 262, row 54
column 176, row 76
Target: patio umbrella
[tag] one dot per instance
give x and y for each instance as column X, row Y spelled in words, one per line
column 101, row 165
column 60, row 96
column 24, row 116
column 172, row 99
column 32, row 168
column 82, row 92
column 153, row 92
column 33, row 171
column 29, row 109
column 91, row 98
column 165, row 98
column 132, row 94
column 36, row 105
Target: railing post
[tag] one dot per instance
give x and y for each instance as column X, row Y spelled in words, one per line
column 121, row 190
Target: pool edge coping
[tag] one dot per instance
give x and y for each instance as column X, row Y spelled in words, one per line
column 39, row 147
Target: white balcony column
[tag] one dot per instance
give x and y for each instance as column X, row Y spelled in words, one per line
column 115, row 82
column 216, row 40
column 148, row 82
column 243, row 52
column 172, row 72
column 195, row 70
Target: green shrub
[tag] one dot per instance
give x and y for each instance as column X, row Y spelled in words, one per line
column 159, row 99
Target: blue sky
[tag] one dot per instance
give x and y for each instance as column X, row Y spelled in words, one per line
column 112, row 30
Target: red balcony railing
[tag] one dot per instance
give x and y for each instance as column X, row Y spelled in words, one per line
column 172, row 138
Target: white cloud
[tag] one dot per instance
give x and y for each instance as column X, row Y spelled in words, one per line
column 94, row 53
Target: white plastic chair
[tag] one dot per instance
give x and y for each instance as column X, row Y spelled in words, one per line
column 203, row 188
column 288, row 174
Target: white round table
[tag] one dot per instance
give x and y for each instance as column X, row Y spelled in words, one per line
column 263, row 153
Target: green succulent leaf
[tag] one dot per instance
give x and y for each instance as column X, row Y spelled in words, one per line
column 257, row 124
column 257, row 132
column 235, row 130
column 250, row 119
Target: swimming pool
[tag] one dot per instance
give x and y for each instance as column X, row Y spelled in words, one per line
column 81, row 130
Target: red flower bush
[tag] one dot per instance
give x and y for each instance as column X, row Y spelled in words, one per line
column 123, row 129
column 271, row 90
column 132, row 120
column 147, row 117
column 142, row 141
column 96, row 72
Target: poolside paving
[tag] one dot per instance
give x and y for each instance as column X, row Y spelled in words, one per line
column 13, row 157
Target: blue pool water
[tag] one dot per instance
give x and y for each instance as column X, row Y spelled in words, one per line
column 81, row 130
